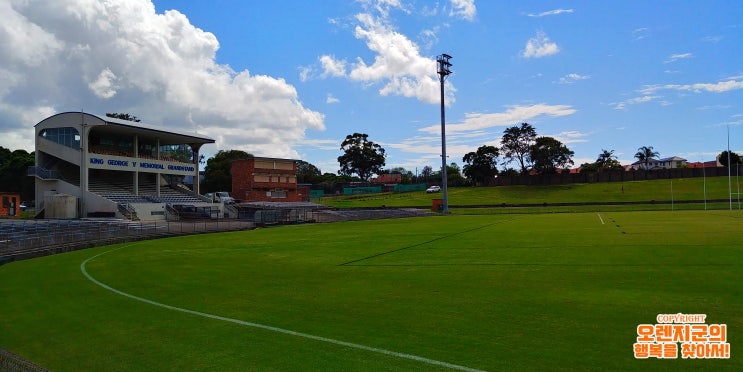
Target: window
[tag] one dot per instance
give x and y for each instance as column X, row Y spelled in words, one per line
column 278, row 194
column 66, row 136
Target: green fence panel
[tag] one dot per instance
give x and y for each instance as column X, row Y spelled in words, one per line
column 362, row 190
column 412, row 187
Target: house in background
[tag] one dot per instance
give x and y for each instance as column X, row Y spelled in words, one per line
column 665, row 163
column 388, row 179
column 706, row 164
column 672, row 162
column 267, row 180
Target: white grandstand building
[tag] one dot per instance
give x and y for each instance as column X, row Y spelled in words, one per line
column 96, row 166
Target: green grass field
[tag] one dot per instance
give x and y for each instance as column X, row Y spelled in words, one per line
column 525, row 292
column 635, row 191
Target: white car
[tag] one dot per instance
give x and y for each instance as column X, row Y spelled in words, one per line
column 221, row 196
column 433, row 189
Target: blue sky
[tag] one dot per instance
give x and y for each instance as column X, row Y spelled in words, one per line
column 293, row 78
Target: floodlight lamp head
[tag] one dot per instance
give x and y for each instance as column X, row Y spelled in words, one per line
column 444, row 64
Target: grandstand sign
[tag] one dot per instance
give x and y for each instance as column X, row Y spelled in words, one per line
column 140, row 165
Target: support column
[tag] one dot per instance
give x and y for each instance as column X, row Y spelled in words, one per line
column 158, row 175
column 195, row 160
column 136, row 172
column 83, row 164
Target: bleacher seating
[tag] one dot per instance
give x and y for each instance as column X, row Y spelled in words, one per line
column 119, row 188
column 22, row 236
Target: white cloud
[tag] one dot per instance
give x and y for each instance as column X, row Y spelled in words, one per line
column 103, row 86
column 719, row 87
column 331, row 99
column 676, row 57
column 117, row 56
column 304, row 73
column 397, row 64
column 550, row 12
column 540, row 46
column 382, row 7
column 332, row 66
column 712, row 39
column 570, row 137
column 463, row 8
column 321, row 144
column 513, row 115
column 640, row 33
column 571, row 78
column 633, row 101
column 429, row 37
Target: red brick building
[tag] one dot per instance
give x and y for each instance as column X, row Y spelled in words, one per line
column 388, row 178
column 266, row 179
column 10, row 204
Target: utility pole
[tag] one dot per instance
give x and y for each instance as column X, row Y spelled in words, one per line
column 443, row 71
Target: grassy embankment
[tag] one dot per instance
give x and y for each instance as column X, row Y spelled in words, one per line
column 652, row 194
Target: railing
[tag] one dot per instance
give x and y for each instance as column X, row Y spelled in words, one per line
column 14, row 363
column 28, row 239
column 230, row 210
column 128, row 211
column 171, row 214
column 44, row 174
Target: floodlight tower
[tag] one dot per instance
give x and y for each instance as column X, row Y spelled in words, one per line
column 443, row 70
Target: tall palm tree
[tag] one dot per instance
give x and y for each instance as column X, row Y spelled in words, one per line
column 605, row 159
column 645, row 154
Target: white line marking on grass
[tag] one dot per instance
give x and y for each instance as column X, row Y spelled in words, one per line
column 602, row 220
column 266, row 327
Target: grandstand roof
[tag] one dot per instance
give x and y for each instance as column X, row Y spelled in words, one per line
column 113, row 125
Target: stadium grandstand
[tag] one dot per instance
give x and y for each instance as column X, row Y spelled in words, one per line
column 96, row 166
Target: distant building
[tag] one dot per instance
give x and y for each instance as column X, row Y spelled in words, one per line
column 266, row 179
column 107, row 167
column 388, row 179
column 672, row 162
column 706, row 164
column 665, row 163
column 10, row 204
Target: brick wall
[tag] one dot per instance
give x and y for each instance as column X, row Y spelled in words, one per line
column 274, row 176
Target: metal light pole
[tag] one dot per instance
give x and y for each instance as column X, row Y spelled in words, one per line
column 443, row 71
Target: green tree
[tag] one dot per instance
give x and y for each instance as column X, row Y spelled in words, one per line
column 14, row 172
column 481, row 165
column 589, row 167
column 453, row 175
column 549, row 154
column 644, row 154
column 735, row 159
column 607, row 161
column 218, row 171
column 361, row 156
column 182, row 153
column 308, row 173
column 426, row 173
column 516, row 144
column 122, row 116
